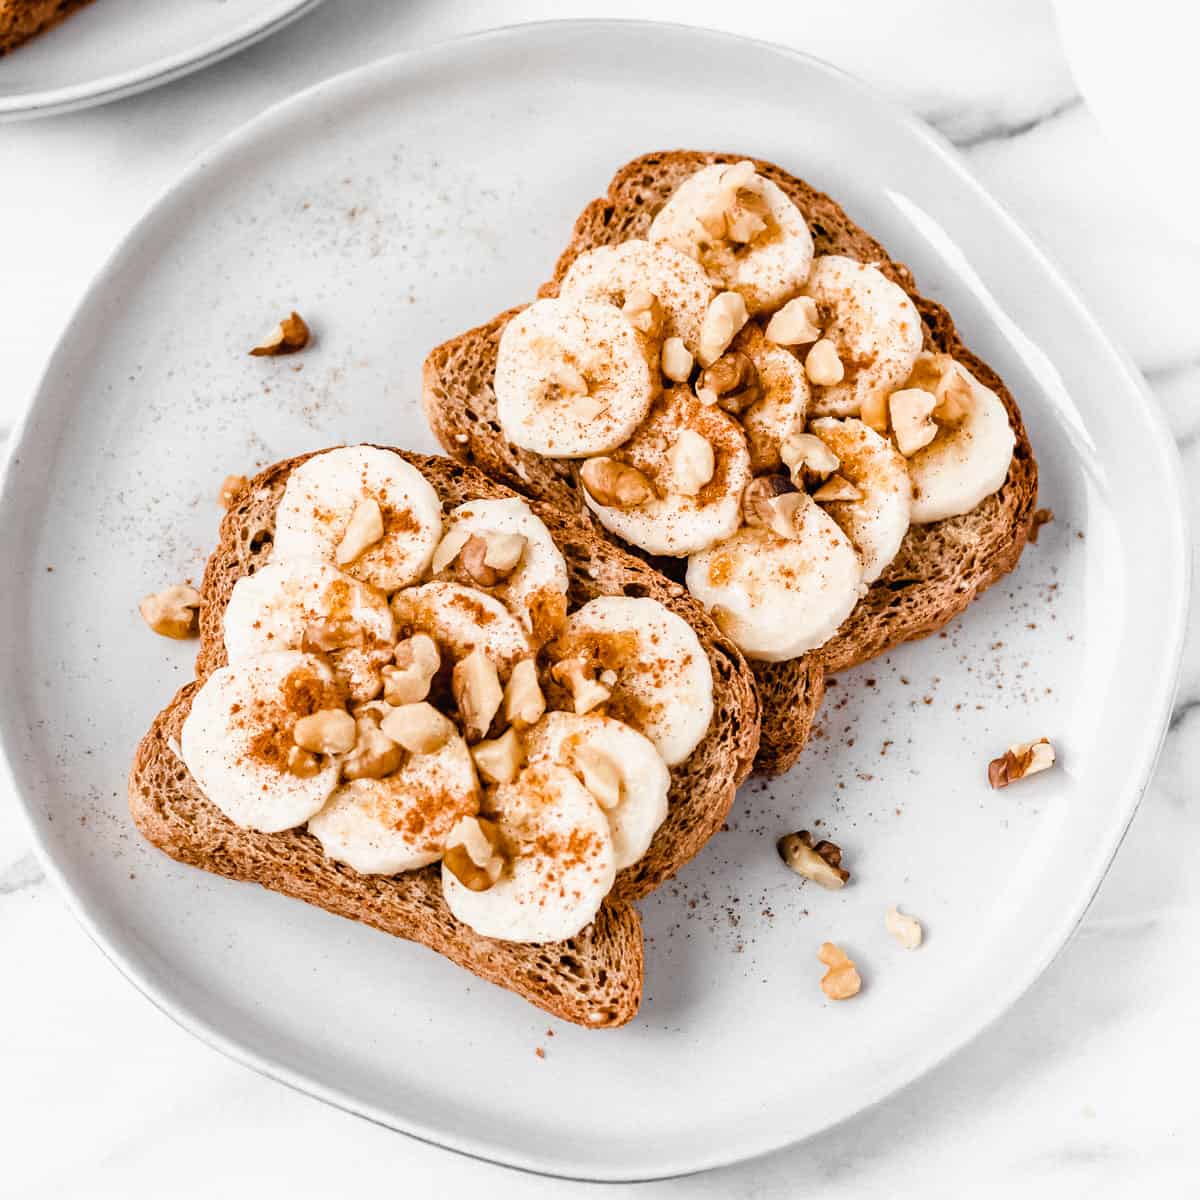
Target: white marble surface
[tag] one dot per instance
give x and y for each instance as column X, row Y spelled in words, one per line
column 1083, row 1089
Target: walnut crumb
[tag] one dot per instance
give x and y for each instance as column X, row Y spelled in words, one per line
column 290, row 335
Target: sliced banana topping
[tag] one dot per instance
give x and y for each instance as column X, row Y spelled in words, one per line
column 678, row 513
column 874, row 511
column 651, row 663
column 778, row 597
column 781, row 404
column 532, row 582
column 618, row 765
column 460, row 620
column 967, row 460
column 611, row 273
column 743, row 229
column 400, row 822
column 572, row 378
column 559, row 864
column 365, row 509
column 874, row 329
column 237, row 739
column 311, row 605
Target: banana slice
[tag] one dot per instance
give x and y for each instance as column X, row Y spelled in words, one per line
column 625, row 772
column 461, row 618
column 678, row 282
column 967, row 461
column 311, row 605
column 784, row 402
column 874, row 327
column 400, row 822
column 683, row 514
column 779, row 598
column 876, row 522
column 238, row 735
column 572, row 378
column 330, row 492
column 561, row 861
column 535, row 591
column 663, row 685
column 743, row 229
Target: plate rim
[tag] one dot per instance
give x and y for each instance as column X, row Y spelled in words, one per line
column 107, row 88
column 1003, row 999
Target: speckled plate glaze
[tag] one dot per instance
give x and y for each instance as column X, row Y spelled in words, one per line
column 114, row 48
column 394, row 207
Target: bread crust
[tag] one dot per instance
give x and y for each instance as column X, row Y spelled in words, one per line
column 939, row 569
column 593, row 979
column 21, row 20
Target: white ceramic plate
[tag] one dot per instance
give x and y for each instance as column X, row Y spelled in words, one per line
column 114, row 48
column 394, row 207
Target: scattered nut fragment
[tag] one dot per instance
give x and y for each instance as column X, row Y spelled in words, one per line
column 449, row 548
column 795, row 324
column 499, row 759
column 491, row 558
column 417, row 662
column 808, row 458
column 692, row 463
column 364, row 530
column 614, row 484
column 940, row 374
column 586, row 693
column 822, row 862
column 601, row 776
column 676, row 360
column 759, row 493
column 290, row 335
column 822, row 365
column 477, row 692
column 731, row 383
column 473, row 853
column 232, row 487
column 334, row 633
column 419, row 727
column 644, row 311
column 912, row 419
column 327, row 731
column 905, row 929
column 174, row 612
column 781, row 514
column 1020, row 761
column 303, row 763
column 374, row 755
column 524, row 703
column 842, row 980
column 723, row 319
column 836, row 487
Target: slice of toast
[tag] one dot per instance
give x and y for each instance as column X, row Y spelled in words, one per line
column 593, row 979
column 21, row 20
column 939, row 569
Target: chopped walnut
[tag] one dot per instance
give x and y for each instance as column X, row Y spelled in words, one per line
column 873, row 412
column 723, row 319
column 614, row 484
column 231, row 488
column 1020, row 761
column 644, row 311
column 475, row 683
column 912, row 419
column 174, row 612
column 290, row 335
column 491, row 558
column 499, row 759
column 303, row 763
column 842, row 980
column 419, row 727
column 676, row 361
column 524, row 703
column 586, row 693
column 600, row 774
column 364, row 530
column 758, row 497
column 820, row 862
column 374, row 755
column 417, row 662
column 333, row 633
column 836, row 487
column 1043, row 516
column 731, row 383
column 780, row 513
column 808, row 458
column 474, row 853
column 822, row 365
column 795, row 324
column 692, row 463
column 328, row 731
column 905, row 929
column 449, row 548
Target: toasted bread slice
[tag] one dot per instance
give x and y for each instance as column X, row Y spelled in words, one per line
column 593, row 979
column 940, row 568
column 21, row 20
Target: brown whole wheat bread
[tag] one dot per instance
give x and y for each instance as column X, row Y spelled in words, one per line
column 21, row 20
column 939, row 569
column 592, row 979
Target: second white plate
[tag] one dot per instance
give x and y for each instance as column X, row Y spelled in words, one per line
column 394, row 207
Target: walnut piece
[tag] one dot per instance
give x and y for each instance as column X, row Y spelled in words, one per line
column 822, row 365
column 174, row 612
column 723, row 319
column 808, row 458
column 419, row 727
column 417, row 662
column 941, row 375
column 777, row 511
column 842, row 980
column 692, row 463
column 905, row 929
column 374, row 755
column 490, row 558
column 600, row 774
column 644, row 311
column 731, row 383
column 912, row 419
column 333, row 633
column 524, row 703
column 290, row 335
column 676, row 360
column 820, row 862
column 795, row 324
column 231, row 488
column 836, row 487
column 303, row 763
column 873, row 412
column 364, row 530
column 614, row 484
column 327, row 731
column 759, row 493
column 499, row 759
column 475, row 683
column 474, row 854
column 586, row 693
column 1020, row 761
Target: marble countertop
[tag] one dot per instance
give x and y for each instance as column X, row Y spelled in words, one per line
column 1083, row 1088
